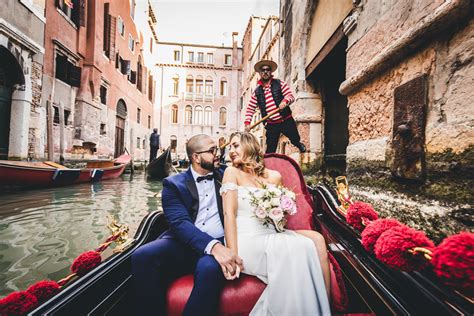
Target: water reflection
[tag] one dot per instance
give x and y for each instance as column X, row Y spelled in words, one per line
column 42, row 231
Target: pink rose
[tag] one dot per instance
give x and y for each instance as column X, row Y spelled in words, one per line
column 287, row 204
column 260, row 212
column 276, row 214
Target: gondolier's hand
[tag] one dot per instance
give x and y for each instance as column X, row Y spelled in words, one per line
column 230, row 263
column 247, row 128
column 282, row 105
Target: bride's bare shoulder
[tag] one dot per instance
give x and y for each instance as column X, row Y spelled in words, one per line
column 231, row 173
column 274, row 176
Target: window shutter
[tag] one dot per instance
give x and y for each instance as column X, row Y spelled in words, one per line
column 125, row 66
column 106, row 37
column 74, row 75
column 133, row 76
column 61, row 67
column 112, row 34
column 82, row 13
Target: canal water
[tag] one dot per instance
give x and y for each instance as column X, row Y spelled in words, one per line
column 43, row 230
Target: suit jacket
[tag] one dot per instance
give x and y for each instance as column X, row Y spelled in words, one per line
column 180, row 201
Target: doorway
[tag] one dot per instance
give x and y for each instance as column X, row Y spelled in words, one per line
column 327, row 77
column 120, row 128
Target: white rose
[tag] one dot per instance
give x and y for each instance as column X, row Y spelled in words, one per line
column 275, row 202
column 266, row 205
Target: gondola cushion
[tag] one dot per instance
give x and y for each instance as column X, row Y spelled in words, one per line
column 239, row 296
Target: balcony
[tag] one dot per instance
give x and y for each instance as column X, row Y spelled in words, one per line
column 198, row 97
column 209, row 98
column 189, row 96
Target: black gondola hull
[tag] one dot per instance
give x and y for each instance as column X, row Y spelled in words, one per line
column 161, row 167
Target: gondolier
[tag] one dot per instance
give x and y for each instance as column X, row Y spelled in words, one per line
column 270, row 94
column 154, row 144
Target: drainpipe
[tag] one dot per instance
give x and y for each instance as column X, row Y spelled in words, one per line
column 161, row 103
column 61, row 132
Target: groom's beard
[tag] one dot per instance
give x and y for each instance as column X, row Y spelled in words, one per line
column 208, row 165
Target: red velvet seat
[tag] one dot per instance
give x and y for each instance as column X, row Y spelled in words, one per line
column 239, row 296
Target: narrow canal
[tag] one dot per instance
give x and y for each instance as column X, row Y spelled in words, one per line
column 43, row 230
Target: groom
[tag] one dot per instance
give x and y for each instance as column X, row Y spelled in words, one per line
column 194, row 243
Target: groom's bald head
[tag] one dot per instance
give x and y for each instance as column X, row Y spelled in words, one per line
column 196, row 143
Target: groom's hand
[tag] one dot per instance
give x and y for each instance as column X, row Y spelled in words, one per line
column 228, row 260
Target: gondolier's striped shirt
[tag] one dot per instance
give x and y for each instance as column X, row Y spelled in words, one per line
column 269, row 102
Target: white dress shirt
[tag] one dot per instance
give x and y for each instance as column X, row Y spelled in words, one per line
column 207, row 219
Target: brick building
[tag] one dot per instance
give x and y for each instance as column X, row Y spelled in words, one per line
column 96, row 78
column 21, row 66
column 390, row 86
column 199, row 92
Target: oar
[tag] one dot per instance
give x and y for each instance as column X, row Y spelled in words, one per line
column 263, row 119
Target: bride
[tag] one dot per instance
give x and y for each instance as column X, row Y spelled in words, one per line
column 293, row 264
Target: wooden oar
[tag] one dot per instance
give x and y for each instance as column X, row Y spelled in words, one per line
column 263, row 119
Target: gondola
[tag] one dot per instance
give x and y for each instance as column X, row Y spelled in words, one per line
column 161, row 167
column 48, row 173
column 369, row 287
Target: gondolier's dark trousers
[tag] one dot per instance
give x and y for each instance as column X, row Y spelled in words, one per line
column 287, row 128
column 153, row 151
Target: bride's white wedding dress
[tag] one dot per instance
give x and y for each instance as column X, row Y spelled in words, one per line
column 287, row 262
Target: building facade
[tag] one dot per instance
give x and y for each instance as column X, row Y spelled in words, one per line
column 198, row 92
column 95, row 80
column 390, row 86
column 21, row 67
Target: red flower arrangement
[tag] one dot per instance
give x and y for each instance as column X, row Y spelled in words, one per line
column 18, row 303
column 453, row 261
column 374, row 229
column 359, row 214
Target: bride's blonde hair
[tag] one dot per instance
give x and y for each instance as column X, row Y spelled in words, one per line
column 252, row 157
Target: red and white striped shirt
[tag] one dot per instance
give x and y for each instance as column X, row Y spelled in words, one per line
column 269, row 103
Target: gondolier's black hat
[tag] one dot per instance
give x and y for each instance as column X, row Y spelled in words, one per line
column 264, row 62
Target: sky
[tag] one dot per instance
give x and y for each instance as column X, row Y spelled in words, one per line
column 208, row 22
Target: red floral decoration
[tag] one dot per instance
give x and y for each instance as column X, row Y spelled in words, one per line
column 394, row 245
column 453, row 261
column 359, row 214
column 374, row 229
column 86, row 262
column 44, row 290
column 18, row 303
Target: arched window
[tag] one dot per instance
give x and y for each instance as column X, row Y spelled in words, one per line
column 198, row 115
column 121, row 109
column 222, row 117
column 207, row 115
column 174, row 114
column 199, row 85
column 175, row 85
column 173, row 143
column 223, row 87
column 188, row 114
column 189, row 84
column 209, row 89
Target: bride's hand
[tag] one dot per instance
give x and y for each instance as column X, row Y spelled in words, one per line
column 236, row 275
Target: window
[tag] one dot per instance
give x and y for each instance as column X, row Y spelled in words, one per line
column 138, row 142
column 143, row 142
column 103, row 94
column 131, row 43
column 120, row 26
column 174, row 114
column 209, row 87
column 67, row 72
column 207, row 115
column 176, row 85
column 200, row 57
column 198, row 115
column 109, row 36
column 132, row 9
column 139, row 114
column 189, row 84
column 199, row 85
column 228, row 60
column 210, row 58
column 151, row 45
column 103, row 129
column 149, row 121
column 191, row 56
column 139, row 75
column 222, row 117
column 177, row 55
column 73, row 10
column 151, row 85
column 56, row 115
column 223, row 90
column 188, row 115
column 173, row 143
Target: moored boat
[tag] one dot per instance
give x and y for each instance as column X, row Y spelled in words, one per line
column 161, row 167
column 370, row 287
column 22, row 173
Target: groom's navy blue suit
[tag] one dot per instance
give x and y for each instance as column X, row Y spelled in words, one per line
column 178, row 251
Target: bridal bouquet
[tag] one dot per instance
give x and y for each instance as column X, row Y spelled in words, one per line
column 272, row 203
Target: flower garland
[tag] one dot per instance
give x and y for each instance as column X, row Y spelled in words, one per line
column 22, row 302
